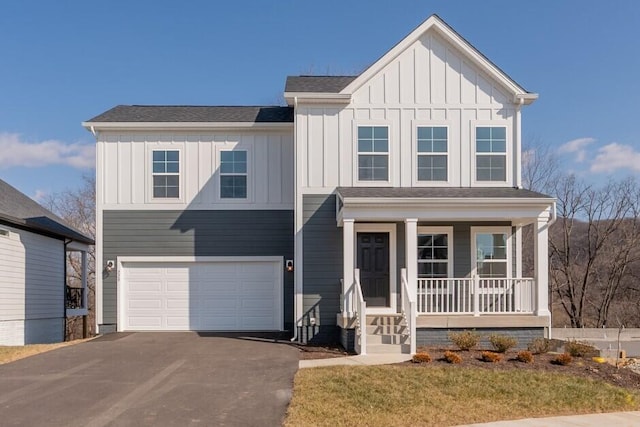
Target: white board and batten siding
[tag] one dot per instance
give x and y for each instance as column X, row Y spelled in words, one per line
column 125, row 176
column 431, row 83
column 31, row 288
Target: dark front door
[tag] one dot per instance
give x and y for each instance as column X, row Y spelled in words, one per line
column 373, row 262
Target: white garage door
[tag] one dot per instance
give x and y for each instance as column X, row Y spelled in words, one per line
column 201, row 296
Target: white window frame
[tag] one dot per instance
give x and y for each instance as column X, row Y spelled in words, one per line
column 245, row 174
column 356, row 160
column 150, row 174
column 234, row 146
column 508, row 153
column 440, row 230
column 414, row 153
column 491, row 230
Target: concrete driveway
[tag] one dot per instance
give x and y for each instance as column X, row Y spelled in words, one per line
column 153, row 379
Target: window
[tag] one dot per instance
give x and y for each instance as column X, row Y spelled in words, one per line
column 166, row 174
column 373, row 153
column 434, row 253
column 432, row 153
column 233, row 174
column 491, row 157
column 491, row 254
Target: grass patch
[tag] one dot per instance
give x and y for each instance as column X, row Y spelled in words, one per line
column 10, row 353
column 440, row 396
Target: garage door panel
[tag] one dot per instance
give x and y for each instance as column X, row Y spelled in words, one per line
column 221, row 295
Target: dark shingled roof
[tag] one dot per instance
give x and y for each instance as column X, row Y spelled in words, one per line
column 317, row 84
column 22, row 211
column 440, row 192
column 189, row 113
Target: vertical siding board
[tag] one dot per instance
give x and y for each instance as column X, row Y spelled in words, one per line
column 287, row 173
column 407, row 163
column 331, row 163
column 438, row 71
column 406, row 81
column 316, row 147
column 468, row 84
column 453, row 77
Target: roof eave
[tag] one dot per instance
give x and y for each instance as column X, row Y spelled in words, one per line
column 464, row 201
column 24, row 225
column 317, row 97
column 93, row 126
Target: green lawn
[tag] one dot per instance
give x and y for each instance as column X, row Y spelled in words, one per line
column 440, row 396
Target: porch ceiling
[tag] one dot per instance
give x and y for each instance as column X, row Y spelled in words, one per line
column 443, row 204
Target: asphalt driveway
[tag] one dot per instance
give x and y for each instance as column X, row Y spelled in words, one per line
column 152, row 379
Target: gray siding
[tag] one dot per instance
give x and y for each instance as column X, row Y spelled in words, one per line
column 322, row 267
column 439, row 337
column 197, row 233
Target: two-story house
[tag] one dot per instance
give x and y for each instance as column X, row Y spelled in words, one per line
column 382, row 210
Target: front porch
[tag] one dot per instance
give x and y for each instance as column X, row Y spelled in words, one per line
column 447, row 263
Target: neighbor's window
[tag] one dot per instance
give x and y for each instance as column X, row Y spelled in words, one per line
column 166, row 174
column 233, row 174
column 373, row 153
column 491, row 157
column 433, row 255
column 432, row 153
column 491, row 254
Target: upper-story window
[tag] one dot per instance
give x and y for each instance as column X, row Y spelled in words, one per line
column 491, row 153
column 432, row 153
column 373, row 153
column 233, row 174
column 166, row 174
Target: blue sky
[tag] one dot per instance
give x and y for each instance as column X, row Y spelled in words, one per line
column 66, row 61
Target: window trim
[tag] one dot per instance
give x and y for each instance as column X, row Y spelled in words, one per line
column 508, row 153
column 450, row 246
column 415, row 124
column 150, row 174
column 506, row 229
column 234, row 146
column 390, row 169
column 245, row 174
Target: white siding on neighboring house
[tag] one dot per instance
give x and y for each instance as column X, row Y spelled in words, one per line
column 124, row 169
column 429, row 84
column 31, row 288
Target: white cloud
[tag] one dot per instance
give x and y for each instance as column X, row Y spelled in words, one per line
column 614, row 156
column 40, row 195
column 16, row 152
column 577, row 146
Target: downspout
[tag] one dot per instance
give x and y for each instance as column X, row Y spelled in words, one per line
column 295, row 220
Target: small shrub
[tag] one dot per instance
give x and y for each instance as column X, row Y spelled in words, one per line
column 502, row 343
column 562, row 359
column 524, row 357
column 465, row 340
column 579, row 349
column 422, row 357
column 452, row 357
column 539, row 345
column 490, row 356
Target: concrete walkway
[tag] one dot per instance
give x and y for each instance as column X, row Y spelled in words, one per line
column 618, row 419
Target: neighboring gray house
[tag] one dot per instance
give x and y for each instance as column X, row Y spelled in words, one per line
column 381, row 210
column 34, row 298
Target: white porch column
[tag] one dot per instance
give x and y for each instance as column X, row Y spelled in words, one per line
column 411, row 253
column 348, row 238
column 517, row 285
column 541, row 262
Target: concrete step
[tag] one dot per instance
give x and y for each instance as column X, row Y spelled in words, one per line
column 386, row 329
column 387, row 348
column 379, row 320
column 387, row 339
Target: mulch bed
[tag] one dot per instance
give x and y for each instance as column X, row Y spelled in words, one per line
column 580, row 367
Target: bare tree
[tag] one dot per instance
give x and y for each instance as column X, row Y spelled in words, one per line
column 77, row 207
column 592, row 247
column 540, row 169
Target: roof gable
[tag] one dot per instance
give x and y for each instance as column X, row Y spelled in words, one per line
column 450, row 36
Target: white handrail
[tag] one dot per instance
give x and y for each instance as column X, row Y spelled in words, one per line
column 360, row 311
column 476, row 296
column 409, row 309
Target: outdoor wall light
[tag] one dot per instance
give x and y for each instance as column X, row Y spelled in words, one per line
column 289, row 265
column 110, row 265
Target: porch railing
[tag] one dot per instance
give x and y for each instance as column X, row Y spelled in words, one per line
column 409, row 309
column 74, row 298
column 476, row 296
column 360, row 312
